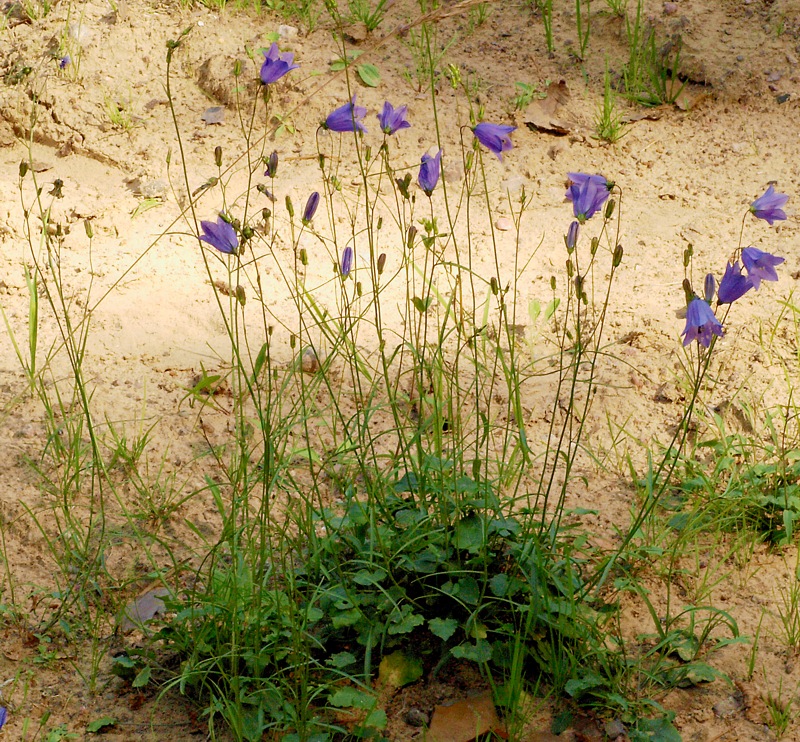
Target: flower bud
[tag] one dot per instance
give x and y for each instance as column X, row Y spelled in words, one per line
column 381, row 262
column 572, row 236
column 553, row 283
column 303, row 256
column 709, row 287
column 570, row 269
column 617, row 259
column 237, row 68
column 493, row 285
column 289, row 206
column 87, row 225
column 292, row 341
column 358, row 288
column 241, row 296
column 218, row 156
column 595, row 244
column 347, row 262
column 410, row 235
column 311, row 207
column 687, row 255
column 272, row 165
column 610, row 208
column 23, row 169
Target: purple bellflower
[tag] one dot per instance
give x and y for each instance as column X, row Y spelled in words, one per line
column 495, row 137
column 760, row 265
column 769, row 207
column 311, row 207
column 733, row 285
column 393, row 119
column 3, row 716
column 701, row 323
column 587, row 199
column 64, row 62
column 220, row 235
column 276, row 65
column 579, row 179
column 347, row 262
column 348, row 117
column 429, row 172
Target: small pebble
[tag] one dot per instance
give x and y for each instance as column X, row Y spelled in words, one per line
column 415, row 718
column 309, row 361
column 504, row 224
column 287, row 33
column 670, row 8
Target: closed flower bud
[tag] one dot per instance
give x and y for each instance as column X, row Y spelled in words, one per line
column 410, row 235
column 303, row 256
column 218, row 156
column 241, row 296
column 311, row 207
column 381, row 262
column 272, row 165
column 572, row 236
column 87, row 225
column 493, row 285
column 289, row 206
column 23, row 169
column 610, row 208
column 617, row 259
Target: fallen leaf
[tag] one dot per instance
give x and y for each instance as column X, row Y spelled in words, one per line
column 142, row 609
column 465, row 720
column 545, row 114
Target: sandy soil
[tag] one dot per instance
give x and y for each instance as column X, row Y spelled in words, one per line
column 687, row 172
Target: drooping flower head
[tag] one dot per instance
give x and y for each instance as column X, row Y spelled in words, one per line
column 393, row 119
column 221, row 235
column 769, row 207
column 701, row 323
column 276, row 65
column 760, row 265
column 311, row 207
column 429, row 172
column 347, row 262
column 348, row 117
column 733, row 285
column 64, row 62
column 587, row 199
column 579, row 179
column 495, row 137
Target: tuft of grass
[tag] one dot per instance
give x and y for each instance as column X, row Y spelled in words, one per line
column 608, row 125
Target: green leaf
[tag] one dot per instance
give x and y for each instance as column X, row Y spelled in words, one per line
column 467, row 589
column 404, row 621
column 352, row 698
column 341, row 659
column 480, row 651
column 398, row 669
column 376, row 719
column 444, row 628
column 421, row 305
column 499, row 585
column 369, row 75
column 656, row 729
column 142, row 678
column 101, row 723
column 469, row 533
column 145, row 205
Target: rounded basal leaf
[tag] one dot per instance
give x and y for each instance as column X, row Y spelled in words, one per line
column 369, row 75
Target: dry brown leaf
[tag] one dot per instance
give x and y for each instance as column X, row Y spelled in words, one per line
column 465, row 720
column 546, row 114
